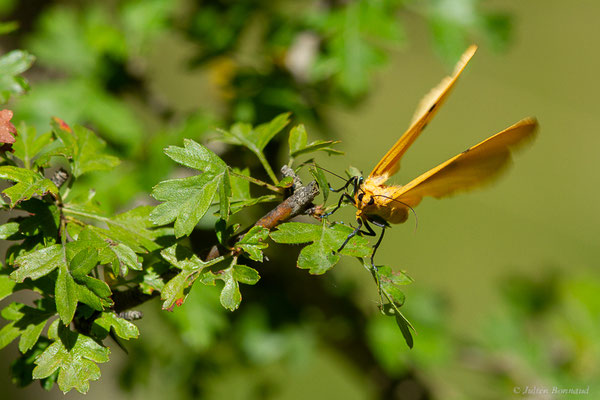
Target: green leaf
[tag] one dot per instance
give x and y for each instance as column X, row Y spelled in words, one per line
column 31, row 324
column 192, row 267
column 196, row 156
column 7, row 286
column 405, row 328
column 297, row 139
column 321, row 255
column 86, row 150
column 97, row 286
column 152, row 278
column 319, row 176
column 389, row 281
column 74, row 356
column 86, row 296
column 12, row 65
column 122, row 328
column 21, row 369
column 39, row 263
column 66, row 295
column 256, row 139
column 134, row 229
column 224, row 232
column 244, row 274
column 126, row 257
column 187, row 200
column 83, row 262
column 44, row 218
column 253, row 242
column 8, row 333
column 240, row 193
column 30, row 183
column 30, row 144
column 299, row 145
column 27, row 322
column 264, row 133
column 8, row 230
column 230, row 294
column 238, row 205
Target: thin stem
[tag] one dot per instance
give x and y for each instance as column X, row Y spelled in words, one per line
column 84, row 214
column 258, row 182
column 267, row 167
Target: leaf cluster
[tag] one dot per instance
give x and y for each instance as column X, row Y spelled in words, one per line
column 81, row 261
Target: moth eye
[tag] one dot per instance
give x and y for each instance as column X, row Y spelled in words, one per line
column 371, row 201
column 360, row 196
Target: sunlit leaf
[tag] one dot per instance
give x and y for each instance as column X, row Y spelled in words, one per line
column 29, row 183
column 187, row 200
column 321, row 254
column 74, row 356
column 253, row 242
column 122, row 328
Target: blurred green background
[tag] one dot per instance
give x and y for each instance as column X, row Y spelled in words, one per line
column 506, row 281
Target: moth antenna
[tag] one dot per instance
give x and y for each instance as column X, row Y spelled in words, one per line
column 326, row 170
column 404, row 204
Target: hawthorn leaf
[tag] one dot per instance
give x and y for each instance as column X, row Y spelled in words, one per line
column 253, row 242
column 187, row 200
column 27, row 322
column 151, row 278
column 319, row 176
column 38, row 263
column 86, row 296
column 231, row 297
column 86, row 149
column 321, row 254
column 83, row 262
column 12, row 64
column 238, row 205
column 122, row 328
column 8, row 333
column 74, row 356
column 196, row 156
column 98, row 287
column 297, row 139
column 192, row 267
column 9, row 229
column 224, row 232
column 256, row 139
column 299, row 144
column 134, row 229
column 245, row 274
column 29, row 183
column 66, row 295
column 7, row 285
column 44, row 218
column 30, row 143
column 240, row 192
column 31, row 325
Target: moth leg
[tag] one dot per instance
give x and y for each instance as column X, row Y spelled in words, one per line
column 348, row 183
column 342, row 197
column 371, row 232
column 351, row 235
